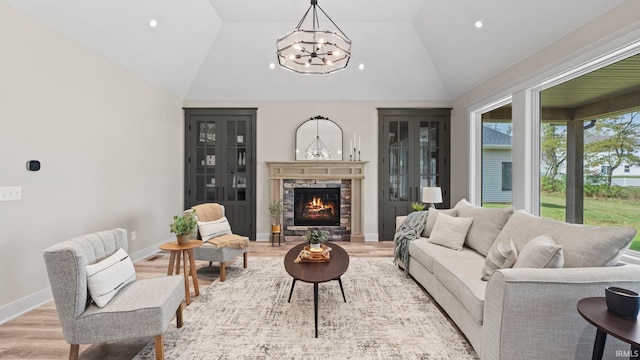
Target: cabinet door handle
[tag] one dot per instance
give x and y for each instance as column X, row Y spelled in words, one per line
column 418, row 197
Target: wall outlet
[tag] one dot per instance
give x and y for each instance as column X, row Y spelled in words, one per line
column 134, row 235
column 10, row 193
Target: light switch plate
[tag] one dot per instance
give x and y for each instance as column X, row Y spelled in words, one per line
column 10, row 193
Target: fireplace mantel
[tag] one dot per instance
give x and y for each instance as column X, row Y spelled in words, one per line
column 324, row 170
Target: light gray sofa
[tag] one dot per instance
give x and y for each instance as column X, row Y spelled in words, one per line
column 524, row 313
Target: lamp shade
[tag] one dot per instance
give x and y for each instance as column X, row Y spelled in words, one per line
column 432, row 195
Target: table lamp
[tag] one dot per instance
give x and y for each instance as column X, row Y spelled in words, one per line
column 431, row 195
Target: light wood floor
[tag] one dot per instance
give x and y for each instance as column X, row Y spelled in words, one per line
column 38, row 335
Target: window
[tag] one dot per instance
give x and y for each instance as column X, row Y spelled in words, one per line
column 506, row 176
column 583, row 148
column 496, row 157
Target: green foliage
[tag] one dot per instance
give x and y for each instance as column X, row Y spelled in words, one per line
column 317, row 236
column 553, row 148
column 184, row 224
column 618, row 139
column 552, row 185
column 418, row 206
column 276, row 209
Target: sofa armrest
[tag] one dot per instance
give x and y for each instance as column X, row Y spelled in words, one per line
column 400, row 220
column 531, row 313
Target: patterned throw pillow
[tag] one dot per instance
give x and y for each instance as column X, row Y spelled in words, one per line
column 211, row 229
column 502, row 255
column 109, row 276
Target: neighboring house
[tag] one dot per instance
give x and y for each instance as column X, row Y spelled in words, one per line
column 624, row 175
column 496, row 166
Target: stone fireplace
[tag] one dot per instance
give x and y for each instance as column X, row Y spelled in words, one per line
column 323, row 195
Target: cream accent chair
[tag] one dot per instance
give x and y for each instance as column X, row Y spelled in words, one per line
column 143, row 308
column 210, row 252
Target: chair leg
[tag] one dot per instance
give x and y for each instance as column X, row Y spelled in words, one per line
column 159, row 345
column 245, row 259
column 179, row 316
column 74, row 352
column 222, row 271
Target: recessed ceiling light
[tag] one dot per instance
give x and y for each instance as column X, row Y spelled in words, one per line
column 272, row 66
column 361, row 66
column 478, row 24
column 153, row 23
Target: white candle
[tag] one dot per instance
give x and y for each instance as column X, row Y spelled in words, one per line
column 350, row 147
column 359, row 143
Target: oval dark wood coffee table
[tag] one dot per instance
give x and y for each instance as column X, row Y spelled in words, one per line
column 594, row 310
column 317, row 272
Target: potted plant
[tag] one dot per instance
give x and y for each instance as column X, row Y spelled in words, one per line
column 276, row 209
column 316, row 237
column 418, row 206
column 183, row 226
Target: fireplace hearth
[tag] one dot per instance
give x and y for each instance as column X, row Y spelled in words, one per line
column 316, row 207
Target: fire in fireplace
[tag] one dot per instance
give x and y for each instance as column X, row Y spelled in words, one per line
column 316, row 207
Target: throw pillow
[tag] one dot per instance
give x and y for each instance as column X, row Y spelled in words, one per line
column 108, row 276
column 431, row 219
column 540, row 252
column 215, row 228
column 502, row 255
column 450, row 231
column 487, row 224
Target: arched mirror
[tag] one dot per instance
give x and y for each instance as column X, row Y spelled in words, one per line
column 319, row 138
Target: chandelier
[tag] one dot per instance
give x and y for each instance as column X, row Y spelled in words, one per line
column 314, row 51
column 317, row 150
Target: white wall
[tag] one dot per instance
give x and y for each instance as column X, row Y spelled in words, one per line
column 277, row 122
column 110, row 146
column 611, row 31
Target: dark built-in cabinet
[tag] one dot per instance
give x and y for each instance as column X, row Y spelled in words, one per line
column 414, row 153
column 220, row 166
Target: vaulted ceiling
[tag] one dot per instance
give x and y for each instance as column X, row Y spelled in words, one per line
column 412, row 50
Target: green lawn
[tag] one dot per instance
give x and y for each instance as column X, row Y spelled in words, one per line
column 596, row 212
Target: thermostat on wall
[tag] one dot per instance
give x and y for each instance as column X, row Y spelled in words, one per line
column 33, row 165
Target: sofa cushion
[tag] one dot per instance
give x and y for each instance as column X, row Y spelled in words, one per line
column 458, row 272
column 502, row 255
column 487, row 224
column 540, row 253
column 424, row 252
column 450, row 231
column 431, row 219
column 582, row 245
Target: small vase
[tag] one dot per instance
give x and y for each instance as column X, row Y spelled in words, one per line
column 183, row 239
column 314, row 245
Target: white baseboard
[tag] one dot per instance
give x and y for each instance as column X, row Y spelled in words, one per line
column 263, row 237
column 21, row 306
column 12, row 310
column 371, row 237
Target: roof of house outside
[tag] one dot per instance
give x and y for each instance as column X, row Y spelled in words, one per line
column 494, row 137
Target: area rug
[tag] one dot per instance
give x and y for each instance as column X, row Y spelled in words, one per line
column 386, row 316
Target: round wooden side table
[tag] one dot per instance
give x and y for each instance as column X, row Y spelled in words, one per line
column 174, row 263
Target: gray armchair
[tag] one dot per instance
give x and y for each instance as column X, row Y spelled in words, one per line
column 143, row 308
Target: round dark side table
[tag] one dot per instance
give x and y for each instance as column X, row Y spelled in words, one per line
column 594, row 310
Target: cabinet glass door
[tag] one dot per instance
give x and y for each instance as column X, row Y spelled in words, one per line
column 398, row 161
column 429, row 154
column 206, row 187
column 236, row 165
